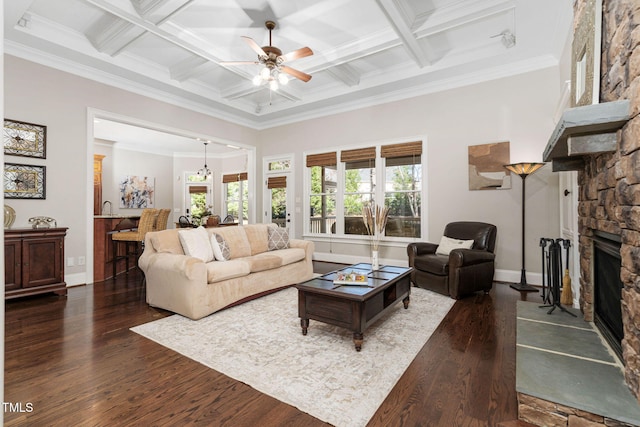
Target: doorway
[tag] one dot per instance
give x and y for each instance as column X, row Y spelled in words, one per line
column 279, row 190
column 164, row 138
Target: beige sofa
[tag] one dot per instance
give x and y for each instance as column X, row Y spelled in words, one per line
column 190, row 287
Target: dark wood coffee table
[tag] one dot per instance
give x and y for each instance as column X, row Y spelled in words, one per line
column 354, row 307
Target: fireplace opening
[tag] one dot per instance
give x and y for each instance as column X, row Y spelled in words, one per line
column 607, row 289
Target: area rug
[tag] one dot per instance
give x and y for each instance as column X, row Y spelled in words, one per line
column 260, row 343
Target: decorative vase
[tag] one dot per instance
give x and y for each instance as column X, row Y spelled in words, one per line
column 375, row 264
column 9, row 216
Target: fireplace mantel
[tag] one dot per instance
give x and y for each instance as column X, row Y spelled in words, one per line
column 585, row 130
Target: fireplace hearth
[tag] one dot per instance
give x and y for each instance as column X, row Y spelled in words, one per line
column 608, row 288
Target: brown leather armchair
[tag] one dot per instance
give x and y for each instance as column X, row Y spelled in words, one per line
column 464, row 271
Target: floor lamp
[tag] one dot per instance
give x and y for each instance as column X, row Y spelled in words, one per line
column 524, row 170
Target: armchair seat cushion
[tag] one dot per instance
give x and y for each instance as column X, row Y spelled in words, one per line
column 436, row 264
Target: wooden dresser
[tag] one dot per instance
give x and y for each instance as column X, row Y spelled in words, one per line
column 34, row 261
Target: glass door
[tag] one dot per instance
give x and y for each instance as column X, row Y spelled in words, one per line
column 279, row 190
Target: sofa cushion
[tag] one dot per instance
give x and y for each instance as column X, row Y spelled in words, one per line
column 220, row 247
column 195, row 243
column 258, row 237
column 219, row 271
column 236, row 238
column 278, row 238
column 447, row 244
column 289, row 255
column 166, row 241
column 263, row 261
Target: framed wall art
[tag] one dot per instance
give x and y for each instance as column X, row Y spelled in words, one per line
column 585, row 55
column 137, row 192
column 486, row 166
column 24, row 181
column 24, row 139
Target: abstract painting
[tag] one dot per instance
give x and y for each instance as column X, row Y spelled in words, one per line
column 486, row 166
column 137, row 192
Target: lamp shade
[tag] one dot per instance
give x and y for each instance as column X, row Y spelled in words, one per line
column 524, row 169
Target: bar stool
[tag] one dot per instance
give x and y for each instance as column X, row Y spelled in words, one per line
column 133, row 237
column 163, row 219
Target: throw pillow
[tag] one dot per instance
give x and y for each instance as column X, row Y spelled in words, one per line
column 220, row 247
column 195, row 243
column 278, row 238
column 448, row 244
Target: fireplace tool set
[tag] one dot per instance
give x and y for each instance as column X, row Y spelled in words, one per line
column 552, row 272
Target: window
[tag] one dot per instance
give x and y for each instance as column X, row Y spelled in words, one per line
column 403, row 188
column 198, row 197
column 359, row 186
column 389, row 174
column 236, row 202
column 279, row 165
column 322, row 197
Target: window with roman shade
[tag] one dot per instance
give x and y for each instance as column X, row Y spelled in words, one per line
column 236, row 192
column 403, row 188
column 322, row 195
column 359, row 186
column 389, row 174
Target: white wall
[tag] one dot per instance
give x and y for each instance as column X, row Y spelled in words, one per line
column 38, row 94
column 516, row 109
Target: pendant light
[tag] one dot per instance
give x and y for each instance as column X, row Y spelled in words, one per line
column 205, row 171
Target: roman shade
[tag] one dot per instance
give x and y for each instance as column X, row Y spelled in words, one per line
column 277, row 182
column 359, row 154
column 402, row 150
column 196, row 189
column 322, row 159
column 234, row 177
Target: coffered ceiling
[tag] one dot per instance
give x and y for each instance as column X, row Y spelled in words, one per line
column 365, row 51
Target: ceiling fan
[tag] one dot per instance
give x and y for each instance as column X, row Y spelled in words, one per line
column 272, row 59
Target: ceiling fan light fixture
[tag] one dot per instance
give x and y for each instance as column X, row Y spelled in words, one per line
column 272, row 61
column 265, row 73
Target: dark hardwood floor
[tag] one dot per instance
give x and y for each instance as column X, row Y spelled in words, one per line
column 74, row 360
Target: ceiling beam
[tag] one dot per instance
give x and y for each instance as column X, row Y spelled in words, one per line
column 398, row 20
column 345, row 73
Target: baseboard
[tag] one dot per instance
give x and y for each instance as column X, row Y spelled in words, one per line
column 76, row 279
column 513, row 276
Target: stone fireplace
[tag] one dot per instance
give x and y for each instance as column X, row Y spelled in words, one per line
column 602, row 142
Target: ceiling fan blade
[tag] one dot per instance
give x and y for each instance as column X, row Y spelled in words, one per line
column 239, row 62
column 295, row 73
column 297, row 54
column 253, row 45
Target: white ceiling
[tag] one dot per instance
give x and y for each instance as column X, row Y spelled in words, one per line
column 366, row 52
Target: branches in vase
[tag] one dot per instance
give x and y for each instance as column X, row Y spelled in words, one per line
column 375, row 221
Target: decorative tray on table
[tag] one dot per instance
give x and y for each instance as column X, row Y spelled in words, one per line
column 351, row 278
